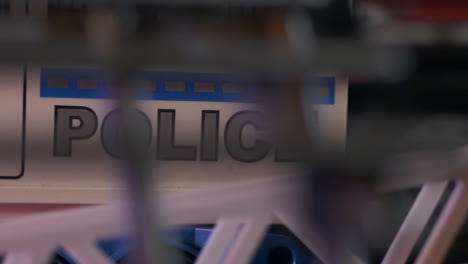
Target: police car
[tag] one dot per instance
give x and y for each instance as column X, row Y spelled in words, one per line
column 202, row 128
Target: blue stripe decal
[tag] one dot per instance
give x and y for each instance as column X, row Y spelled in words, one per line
column 328, row 99
column 248, row 93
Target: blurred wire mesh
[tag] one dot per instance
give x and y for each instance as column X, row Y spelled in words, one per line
column 403, row 97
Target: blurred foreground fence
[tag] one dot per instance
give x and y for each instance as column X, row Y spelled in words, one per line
column 242, row 214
